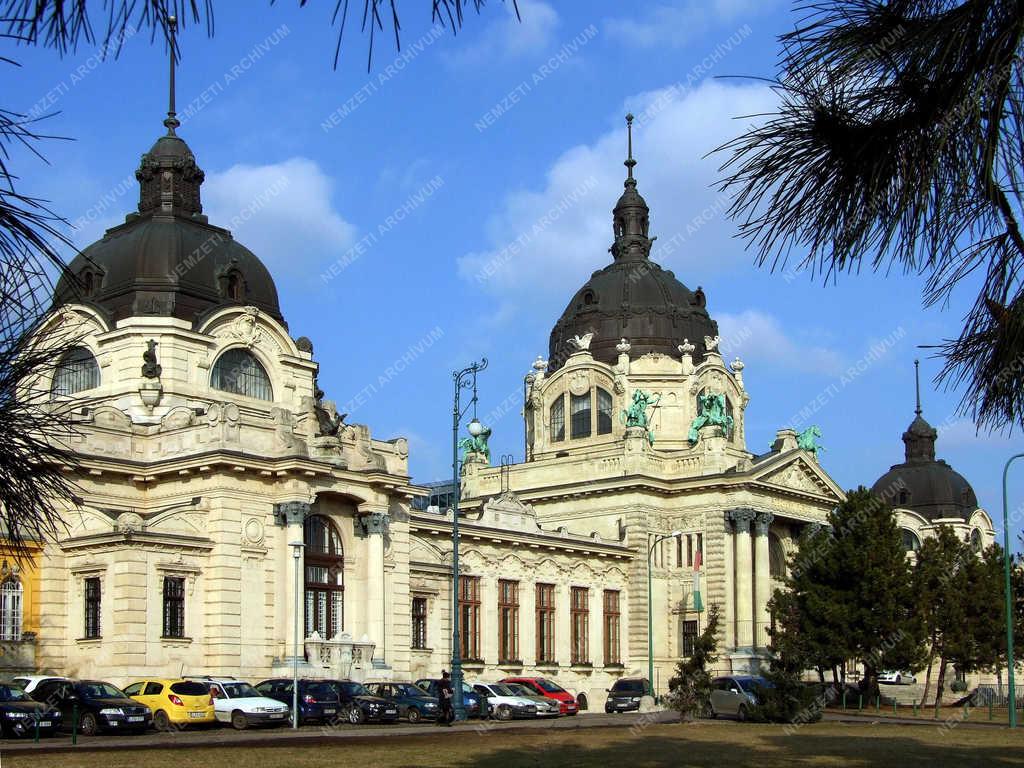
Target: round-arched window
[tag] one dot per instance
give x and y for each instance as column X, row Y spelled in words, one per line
column 325, row 578
column 76, row 371
column 239, row 372
column 776, row 557
column 10, row 609
column 910, row 541
column 976, row 540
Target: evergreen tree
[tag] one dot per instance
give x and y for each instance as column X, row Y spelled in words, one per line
column 689, row 690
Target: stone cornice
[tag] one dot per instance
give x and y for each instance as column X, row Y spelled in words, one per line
column 96, row 541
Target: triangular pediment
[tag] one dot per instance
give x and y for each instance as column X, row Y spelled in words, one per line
column 794, row 471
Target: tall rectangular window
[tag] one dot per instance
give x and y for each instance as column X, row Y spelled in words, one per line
column 545, row 623
column 679, row 551
column 508, row 621
column 700, row 546
column 580, row 625
column 689, row 549
column 689, row 637
column 579, row 410
column 174, row 606
column 92, row 607
column 419, row 622
column 612, row 649
column 558, row 419
column 604, row 412
column 469, row 617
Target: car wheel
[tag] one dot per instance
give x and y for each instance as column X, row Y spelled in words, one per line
column 414, row 715
column 161, row 721
column 239, row 721
column 356, row 716
column 741, row 714
column 504, row 712
column 88, row 725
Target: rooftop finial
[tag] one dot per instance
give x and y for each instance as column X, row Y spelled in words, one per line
column 630, row 162
column 917, row 385
column 172, row 121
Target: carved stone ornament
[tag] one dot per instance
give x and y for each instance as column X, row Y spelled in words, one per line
column 737, row 365
column 540, row 364
column 741, row 518
column 711, row 343
column 579, row 382
column 623, row 347
column 151, row 369
column 246, row 328
column 686, row 347
column 129, row 522
column 253, row 531
column 581, row 343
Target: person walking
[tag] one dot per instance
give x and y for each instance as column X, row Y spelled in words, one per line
column 446, row 696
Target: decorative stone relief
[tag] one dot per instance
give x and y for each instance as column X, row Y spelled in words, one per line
column 741, row 518
column 795, row 476
column 581, row 343
column 579, row 382
column 253, row 531
column 129, row 522
column 246, row 327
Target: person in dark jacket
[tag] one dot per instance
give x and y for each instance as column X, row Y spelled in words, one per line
column 446, row 695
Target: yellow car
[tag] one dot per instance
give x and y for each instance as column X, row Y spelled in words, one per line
column 174, row 702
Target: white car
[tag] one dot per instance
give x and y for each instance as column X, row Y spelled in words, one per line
column 238, row 703
column 28, row 683
column 896, row 677
column 503, row 703
column 545, row 707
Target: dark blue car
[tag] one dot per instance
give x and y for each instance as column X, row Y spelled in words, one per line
column 414, row 704
column 318, row 700
column 470, row 698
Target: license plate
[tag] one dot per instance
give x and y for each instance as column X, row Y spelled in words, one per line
column 329, row 711
column 390, row 712
column 136, row 719
column 197, row 714
column 45, row 723
column 277, row 716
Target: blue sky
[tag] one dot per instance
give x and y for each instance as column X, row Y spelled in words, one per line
column 386, row 204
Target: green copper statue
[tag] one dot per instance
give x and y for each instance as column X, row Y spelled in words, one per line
column 635, row 414
column 477, row 444
column 807, row 440
column 710, row 412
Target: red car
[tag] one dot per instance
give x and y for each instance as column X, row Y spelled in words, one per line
column 543, row 687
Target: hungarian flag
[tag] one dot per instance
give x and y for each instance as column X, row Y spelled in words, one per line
column 698, row 603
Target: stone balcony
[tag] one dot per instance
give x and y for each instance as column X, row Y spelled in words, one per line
column 341, row 658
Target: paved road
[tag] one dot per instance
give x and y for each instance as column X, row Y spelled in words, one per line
column 226, row 737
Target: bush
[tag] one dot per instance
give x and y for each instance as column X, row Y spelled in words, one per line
column 689, row 691
column 787, row 699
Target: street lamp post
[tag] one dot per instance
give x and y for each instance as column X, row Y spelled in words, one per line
column 1009, row 595
column 650, row 613
column 297, row 554
column 464, row 379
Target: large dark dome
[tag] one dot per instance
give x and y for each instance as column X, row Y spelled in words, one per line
column 167, row 259
column 632, row 298
column 923, row 484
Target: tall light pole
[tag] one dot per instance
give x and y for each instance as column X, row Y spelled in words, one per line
column 1009, row 595
column 464, row 379
column 650, row 613
column 297, row 555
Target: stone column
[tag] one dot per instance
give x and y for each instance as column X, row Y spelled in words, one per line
column 295, row 513
column 742, row 518
column 376, row 525
column 763, row 585
column 729, row 557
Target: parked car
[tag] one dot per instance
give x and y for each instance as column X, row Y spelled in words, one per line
column 102, row 707
column 896, row 677
column 625, row 694
column 318, row 700
column 28, row 683
column 19, row 714
column 174, row 702
column 357, row 705
column 470, row 699
column 238, row 703
column 545, row 707
column 735, row 695
column 414, row 704
column 544, row 687
column 503, row 703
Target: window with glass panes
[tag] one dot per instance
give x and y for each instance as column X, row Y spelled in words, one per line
column 580, row 625
column 545, row 623
column 174, row 606
column 689, row 637
column 469, row 617
column 604, row 412
column 579, row 415
column 419, row 622
column 612, row 648
column 324, row 565
column 558, row 419
column 508, row 620
column 92, row 607
column 10, row 609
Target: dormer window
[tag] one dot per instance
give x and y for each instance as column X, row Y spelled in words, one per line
column 904, row 497
column 235, row 289
column 90, row 283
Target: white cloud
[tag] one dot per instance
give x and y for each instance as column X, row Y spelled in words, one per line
column 756, row 336
column 509, row 37
column 281, row 211
column 679, row 24
column 545, row 241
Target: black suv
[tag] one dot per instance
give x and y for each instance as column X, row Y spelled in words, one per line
column 101, row 706
column 625, row 694
column 318, row 699
column 358, row 705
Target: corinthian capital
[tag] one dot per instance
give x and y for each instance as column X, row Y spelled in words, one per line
column 761, row 522
column 741, row 518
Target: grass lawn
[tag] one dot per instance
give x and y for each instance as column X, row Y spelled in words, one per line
column 820, row 744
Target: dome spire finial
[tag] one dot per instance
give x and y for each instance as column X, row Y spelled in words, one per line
column 630, row 162
column 917, row 385
column 172, row 120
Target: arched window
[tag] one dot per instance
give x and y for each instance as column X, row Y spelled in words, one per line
column 776, row 557
column 325, row 578
column 579, row 418
column 236, row 287
column 604, row 412
column 904, row 497
column 910, row 541
column 239, row 372
column 77, row 371
column 10, row 609
column 976, row 540
column 558, row 419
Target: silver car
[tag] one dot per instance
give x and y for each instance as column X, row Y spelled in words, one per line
column 735, row 695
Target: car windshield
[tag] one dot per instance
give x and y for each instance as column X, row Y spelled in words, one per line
column 189, row 688
column 502, row 690
column 322, row 690
column 239, row 690
column 353, row 689
column 550, row 687
column 751, row 684
column 519, row 690
column 10, row 693
column 627, row 686
column 405, row 689
column 98, row 691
